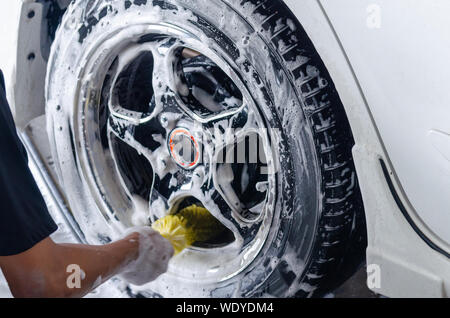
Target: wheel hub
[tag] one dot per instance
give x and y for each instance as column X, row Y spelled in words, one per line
column 184, row 148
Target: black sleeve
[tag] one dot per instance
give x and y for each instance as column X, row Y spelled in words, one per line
column 24, row 218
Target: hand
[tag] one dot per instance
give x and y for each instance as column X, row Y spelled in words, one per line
column 154, row 253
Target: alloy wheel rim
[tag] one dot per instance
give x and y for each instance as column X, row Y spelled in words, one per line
column 170, row 113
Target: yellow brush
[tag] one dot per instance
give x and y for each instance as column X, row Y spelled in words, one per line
column 190, row 225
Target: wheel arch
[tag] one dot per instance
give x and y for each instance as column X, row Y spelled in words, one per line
column 380, row 186
column 37, row 23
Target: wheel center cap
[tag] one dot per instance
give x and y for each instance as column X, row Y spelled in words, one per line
column 183, row 147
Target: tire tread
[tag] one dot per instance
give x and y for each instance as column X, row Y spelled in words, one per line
column 342, row 203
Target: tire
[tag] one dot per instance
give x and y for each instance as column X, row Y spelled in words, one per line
column 316, row 235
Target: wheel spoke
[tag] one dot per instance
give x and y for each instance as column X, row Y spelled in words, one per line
column 160, row 96
column 212, row 93
column 239, row 166
column 146, row 70
column 214, row 201
column 129, row 98
column 150, row 142
column 168, row 81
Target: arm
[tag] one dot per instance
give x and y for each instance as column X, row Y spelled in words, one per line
column 42, row 270
column 33, row 264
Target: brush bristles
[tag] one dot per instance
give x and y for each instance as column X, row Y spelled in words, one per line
column 190, row 225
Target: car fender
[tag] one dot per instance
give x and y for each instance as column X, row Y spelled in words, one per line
column 401, row 242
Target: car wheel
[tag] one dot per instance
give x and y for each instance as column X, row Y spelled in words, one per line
column 156, row 105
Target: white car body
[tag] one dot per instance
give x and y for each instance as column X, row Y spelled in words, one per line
column 389, row 62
